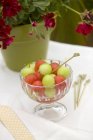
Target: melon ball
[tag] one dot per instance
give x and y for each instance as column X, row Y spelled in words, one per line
column 64, row 71
column 45, row 69
column 26, row 71
column 32, row 66
column 50, row 92
column 48, row 80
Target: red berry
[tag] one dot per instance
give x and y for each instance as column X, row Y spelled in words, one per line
column 38, row 63
column 38, row 75
column 54, row 66
column 59, row 79
column 30, row 78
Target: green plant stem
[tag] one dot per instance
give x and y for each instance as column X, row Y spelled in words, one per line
column 30, row 20
column 71, row 9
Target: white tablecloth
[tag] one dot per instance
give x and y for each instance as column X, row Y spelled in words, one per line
column 78, row 124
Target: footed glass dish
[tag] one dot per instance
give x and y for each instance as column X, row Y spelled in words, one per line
column 48, row 96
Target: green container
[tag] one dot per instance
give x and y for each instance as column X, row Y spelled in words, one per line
column 26, row 48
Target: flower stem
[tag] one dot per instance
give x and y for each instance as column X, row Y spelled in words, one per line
column 71, row 9
column 30, row 20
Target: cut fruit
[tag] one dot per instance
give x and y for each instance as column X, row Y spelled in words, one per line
column 30, row 78
column 26, row 71
column 54, row 67
column 64, row 71
column 48, row 80
column 45, row 69
column 38, row 87
column 50, row 92
column 59, row 79
column 38, row 75
column 38, row 63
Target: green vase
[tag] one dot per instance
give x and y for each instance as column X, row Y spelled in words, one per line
column 26, row 48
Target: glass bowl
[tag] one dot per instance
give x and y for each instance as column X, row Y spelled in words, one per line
column 47, row 96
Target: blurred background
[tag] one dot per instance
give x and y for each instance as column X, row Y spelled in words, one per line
column 65, row 28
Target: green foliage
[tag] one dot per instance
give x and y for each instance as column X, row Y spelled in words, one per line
column 32, row 10
column 88, row 4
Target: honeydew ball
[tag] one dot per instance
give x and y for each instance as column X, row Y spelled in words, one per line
column 50, row 92
column 45, row 69
column 53, row 75
column 26, row 71
column 48, row 80
column 32, row 66
column 63, row 71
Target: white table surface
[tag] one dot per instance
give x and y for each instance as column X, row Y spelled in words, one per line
column 12, row 94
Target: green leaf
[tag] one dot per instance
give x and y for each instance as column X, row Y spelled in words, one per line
column 31, row 8
column 41, row 4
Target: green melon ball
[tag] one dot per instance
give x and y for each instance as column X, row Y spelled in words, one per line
column 32, row 66
column 25, row 71
column 45, row 69
column 48, row 80
column 63, row 71
column 50, row 92
column 53, row 75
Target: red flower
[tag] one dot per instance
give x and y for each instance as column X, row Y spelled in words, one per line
column 49, row 20
column 4, row 34
column 84, row 28
column 49, row 15
column 4, row 29
column 7, row 41
column 10, row 8
column 7, row 29
column 34, row 23
column 50, row 23
column 2, row 22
